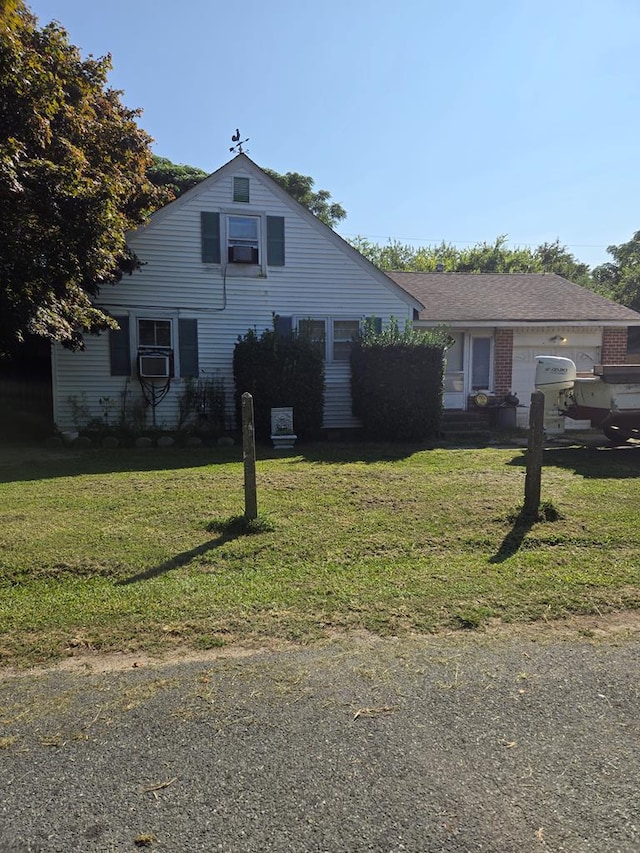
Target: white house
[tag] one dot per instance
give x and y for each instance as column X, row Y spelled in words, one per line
column 227, row 256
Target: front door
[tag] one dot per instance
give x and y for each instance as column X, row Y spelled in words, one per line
column 454, row 384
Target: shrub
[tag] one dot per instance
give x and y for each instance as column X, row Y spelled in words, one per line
column 397, row 381
column 201, row 407
column 280, row 370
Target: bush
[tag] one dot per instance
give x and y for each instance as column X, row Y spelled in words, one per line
column 201, row 407
column 397, row 381
column 280, row 370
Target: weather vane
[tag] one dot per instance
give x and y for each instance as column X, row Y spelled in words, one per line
column 238, row 142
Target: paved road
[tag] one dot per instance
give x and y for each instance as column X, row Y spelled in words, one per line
column 519, row 741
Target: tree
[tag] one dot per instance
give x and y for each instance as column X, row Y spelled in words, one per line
column 556, row 258
column 73, row 180
column 620, row 279
column 177, row 178
column 494, row 257
column 301, row 188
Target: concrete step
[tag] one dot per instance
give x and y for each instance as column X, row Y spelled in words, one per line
column 466, row 427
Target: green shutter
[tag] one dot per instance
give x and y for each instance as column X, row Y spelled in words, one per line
column 210, row 237
column 188, row 347
column 275, row 241
column 283, row 326
column 119, row 355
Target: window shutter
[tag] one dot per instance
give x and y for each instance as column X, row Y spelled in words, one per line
column 283, row 326
column 210, row 237
column 241, row 189
column 188, row 347
column 377, row 325
column 119, row 355
column 275, row 241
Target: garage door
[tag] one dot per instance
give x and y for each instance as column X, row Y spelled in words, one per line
column 524, row 371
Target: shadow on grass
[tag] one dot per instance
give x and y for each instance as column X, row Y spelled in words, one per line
column 232, row 528
column 602, row 463
column 522, row 524
column 20, row 463
column 511, row 543
column 331, row 453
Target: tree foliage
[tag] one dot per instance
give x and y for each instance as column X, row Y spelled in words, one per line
column 495, row 257
column 175, row 177
column 73, row 180
column 178, row 178
column 319, row 202
column 620, row 279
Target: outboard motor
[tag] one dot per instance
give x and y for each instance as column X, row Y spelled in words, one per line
column 554, row 376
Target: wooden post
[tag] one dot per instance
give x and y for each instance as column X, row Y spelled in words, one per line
column 249, row 457
column 533, row 478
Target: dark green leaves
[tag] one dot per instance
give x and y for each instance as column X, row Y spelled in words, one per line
column 72, row 181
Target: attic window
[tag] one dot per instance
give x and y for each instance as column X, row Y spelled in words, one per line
column 241, row 189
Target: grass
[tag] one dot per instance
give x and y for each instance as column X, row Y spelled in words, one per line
column 148, row 550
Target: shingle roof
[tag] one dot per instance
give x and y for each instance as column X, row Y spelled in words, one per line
column 511, row 297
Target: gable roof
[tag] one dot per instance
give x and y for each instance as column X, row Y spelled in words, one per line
column 509, row 297
column 247, row 164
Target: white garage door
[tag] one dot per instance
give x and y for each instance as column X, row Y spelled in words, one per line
column 524, row 371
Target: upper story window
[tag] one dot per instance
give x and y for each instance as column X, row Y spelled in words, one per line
column 231, row 238
column 243, row 239
column 241, row 189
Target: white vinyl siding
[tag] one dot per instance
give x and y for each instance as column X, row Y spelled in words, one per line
column 322, row 278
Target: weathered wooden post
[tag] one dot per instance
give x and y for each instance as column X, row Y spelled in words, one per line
column 533, row 477
column 249, row 458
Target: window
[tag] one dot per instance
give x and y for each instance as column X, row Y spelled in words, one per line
column 154, row 334
column 332, row 337
column 243, row 239
column 316, row 331
column 167, row 340
column 155, row 355
column 344, row 333
column 481, row 364
column 241, row 189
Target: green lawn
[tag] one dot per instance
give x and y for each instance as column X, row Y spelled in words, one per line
column 119, row 549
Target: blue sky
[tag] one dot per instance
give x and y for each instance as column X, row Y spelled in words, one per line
column 426, row 119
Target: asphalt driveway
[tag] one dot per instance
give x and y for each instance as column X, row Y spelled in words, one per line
column 512, row 740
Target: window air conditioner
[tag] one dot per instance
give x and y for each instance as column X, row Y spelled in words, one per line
column 154, row 365
column 243, row 255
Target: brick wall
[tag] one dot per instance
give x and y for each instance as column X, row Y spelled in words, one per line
column 503, row 361
column 614, row 346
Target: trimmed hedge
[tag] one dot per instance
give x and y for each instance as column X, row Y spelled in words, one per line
column 397, row 382
column 280, row 370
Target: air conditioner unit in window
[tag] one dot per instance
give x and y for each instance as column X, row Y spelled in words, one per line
column 243, row 255
column 154, row 365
